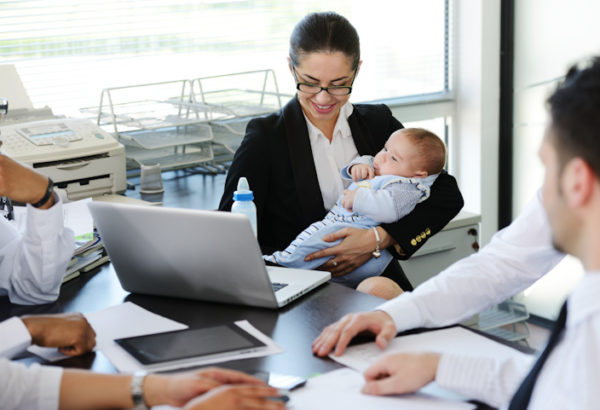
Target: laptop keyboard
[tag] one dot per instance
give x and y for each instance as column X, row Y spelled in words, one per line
column 277, row 286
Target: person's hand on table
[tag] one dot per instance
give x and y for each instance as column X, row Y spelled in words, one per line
column 22, row 184
column 401, row 373
column 69, row 332
column 340, row 333
column 209, row 388
column 237, row 397
column 355, row 250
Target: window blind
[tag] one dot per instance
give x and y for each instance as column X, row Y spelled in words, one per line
column 66, row 52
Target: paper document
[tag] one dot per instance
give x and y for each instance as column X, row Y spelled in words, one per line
column 455, row 340
column 452, row 340
column 115, row 322
column 78, row 217
column 340, row 389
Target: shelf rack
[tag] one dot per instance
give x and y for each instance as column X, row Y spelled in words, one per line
column 501, row 321
column 232, row 100
column 186, row 123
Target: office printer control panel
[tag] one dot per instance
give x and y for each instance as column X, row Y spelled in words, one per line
column 54, row 140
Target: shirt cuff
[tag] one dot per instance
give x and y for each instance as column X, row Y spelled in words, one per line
column 46, row 223
column 403, row 311
column 470, row 376
column 15, row 337
column 49, row 388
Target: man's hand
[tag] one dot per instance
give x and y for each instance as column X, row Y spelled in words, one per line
column 348, row 198
column 217, row 388
column 401, row 373
column 22, row 184
column 361, row 171
column 69, row 332
column 340, row 333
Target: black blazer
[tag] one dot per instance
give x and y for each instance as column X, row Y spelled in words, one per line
column 276, row 158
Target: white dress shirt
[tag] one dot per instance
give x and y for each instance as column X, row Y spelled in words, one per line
column 331, row 157
column 36, row 387
column 515, row 258
column 568, row 379
column 32, row 264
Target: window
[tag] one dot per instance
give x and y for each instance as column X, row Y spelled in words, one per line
column 67, row 51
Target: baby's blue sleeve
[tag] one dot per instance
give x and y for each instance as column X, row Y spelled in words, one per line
column 365, row 159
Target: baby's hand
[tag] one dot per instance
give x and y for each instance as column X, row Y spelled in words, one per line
column 348, row 199
column 361, row 171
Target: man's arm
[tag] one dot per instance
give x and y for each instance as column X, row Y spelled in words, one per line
column 69, row 332
column 32, row 264
column 14, row 337
column 515, row 258
column 44, row 387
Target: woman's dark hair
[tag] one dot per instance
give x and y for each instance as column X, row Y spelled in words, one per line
column 324, row 32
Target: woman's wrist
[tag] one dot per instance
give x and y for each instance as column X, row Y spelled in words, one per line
column 385, row 239
column 154, row 390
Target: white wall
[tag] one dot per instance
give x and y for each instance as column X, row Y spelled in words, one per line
column 475, row 109
column 550, row 35
column 477, row 53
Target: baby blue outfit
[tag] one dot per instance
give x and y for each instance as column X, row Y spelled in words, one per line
column 382, row 199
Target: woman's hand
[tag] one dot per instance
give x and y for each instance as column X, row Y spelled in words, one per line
column 355, row 250
column 178, row 389
column 237, row 397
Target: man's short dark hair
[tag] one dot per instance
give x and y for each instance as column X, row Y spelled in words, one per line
column 575, row 115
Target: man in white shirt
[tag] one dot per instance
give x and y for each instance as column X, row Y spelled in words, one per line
column 45, row 387
column 515, row 258
column 32, row 264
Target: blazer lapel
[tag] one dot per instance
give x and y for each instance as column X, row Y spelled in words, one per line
column 303, row 166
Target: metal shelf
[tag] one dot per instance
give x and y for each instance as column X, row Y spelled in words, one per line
column 173, row 122
column 495, row 320
column 172, row 158
column 169, row 137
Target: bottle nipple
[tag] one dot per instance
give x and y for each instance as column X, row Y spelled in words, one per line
column 243, row 184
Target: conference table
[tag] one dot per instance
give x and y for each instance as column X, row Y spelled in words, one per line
column 293, row 327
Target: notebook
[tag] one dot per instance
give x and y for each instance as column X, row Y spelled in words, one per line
column 203, row 255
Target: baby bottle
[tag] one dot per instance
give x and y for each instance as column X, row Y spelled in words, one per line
column 243, row 203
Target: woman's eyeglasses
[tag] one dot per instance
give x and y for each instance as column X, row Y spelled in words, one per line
column 337, row 90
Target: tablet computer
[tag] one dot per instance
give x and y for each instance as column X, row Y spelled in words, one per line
column 183, row 346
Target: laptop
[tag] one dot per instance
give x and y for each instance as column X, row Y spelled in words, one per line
column 203, row 255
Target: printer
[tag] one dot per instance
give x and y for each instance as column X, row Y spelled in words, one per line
column 79, row 156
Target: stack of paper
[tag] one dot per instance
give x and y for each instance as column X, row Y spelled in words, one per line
column 89, row 250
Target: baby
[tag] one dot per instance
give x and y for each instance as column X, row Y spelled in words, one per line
column 386, row 188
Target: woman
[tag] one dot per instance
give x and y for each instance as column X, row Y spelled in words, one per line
column 292, row 159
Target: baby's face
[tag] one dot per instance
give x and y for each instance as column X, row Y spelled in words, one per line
column 399, row 157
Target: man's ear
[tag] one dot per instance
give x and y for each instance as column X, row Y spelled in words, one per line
column 358, row 68
column 289, row 60
column 578, row 180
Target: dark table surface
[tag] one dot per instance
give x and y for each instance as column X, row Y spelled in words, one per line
column 293, row 327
